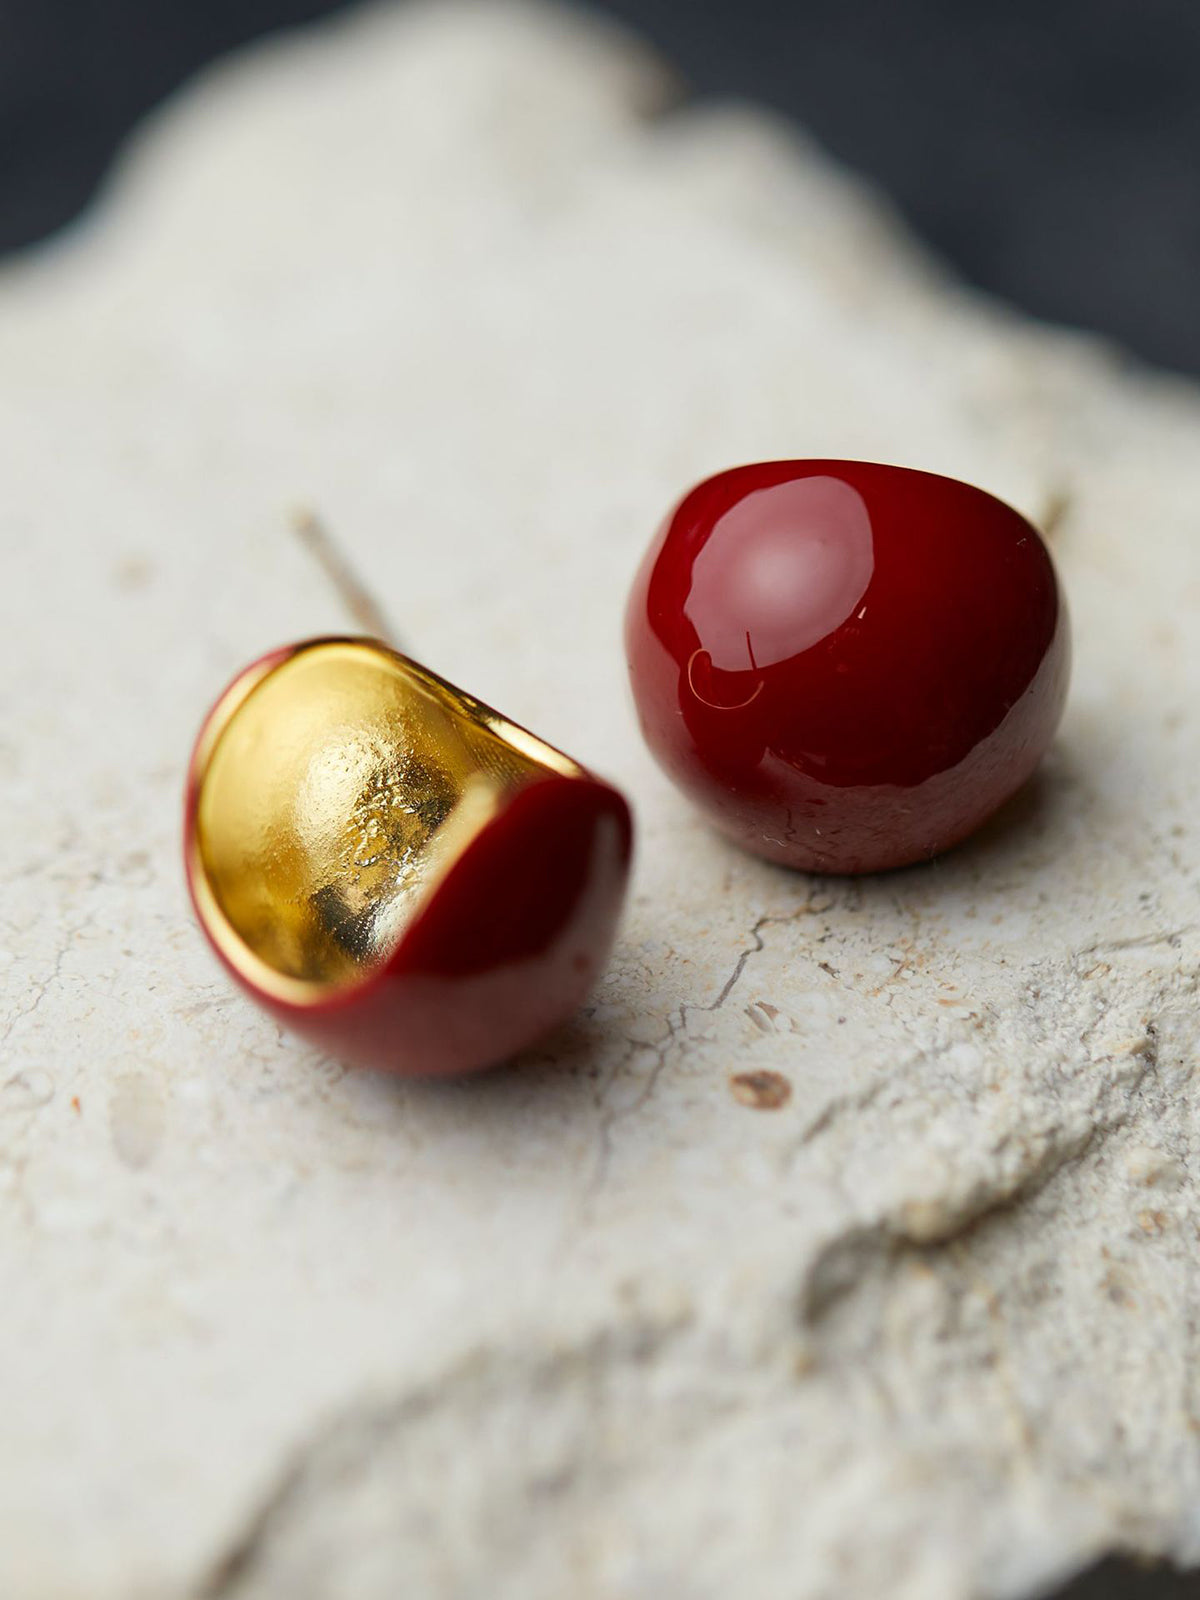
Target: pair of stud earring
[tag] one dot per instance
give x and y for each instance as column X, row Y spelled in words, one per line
column 848, row 666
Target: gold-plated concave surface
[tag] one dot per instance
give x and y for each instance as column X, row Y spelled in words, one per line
column 331, row 793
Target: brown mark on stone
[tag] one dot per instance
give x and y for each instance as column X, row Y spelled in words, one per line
column 132, row 572
column 761, row 1091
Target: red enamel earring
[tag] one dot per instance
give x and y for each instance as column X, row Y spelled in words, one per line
column 847, row 666
column 393, row 869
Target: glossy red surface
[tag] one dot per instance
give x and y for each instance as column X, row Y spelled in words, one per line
column 504, row 948
column 848, row 666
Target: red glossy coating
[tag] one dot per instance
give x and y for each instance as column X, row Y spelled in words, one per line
column 848, row 666
column 505, row 948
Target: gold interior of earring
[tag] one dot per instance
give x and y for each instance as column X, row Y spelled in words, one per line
column 331, row 792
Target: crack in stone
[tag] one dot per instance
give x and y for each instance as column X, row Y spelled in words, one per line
column 735, row 977
column 610, row 1116
column 44, row 986
column 1146, row 941
column 676, row 1032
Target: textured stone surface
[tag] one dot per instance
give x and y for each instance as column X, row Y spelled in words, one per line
column 846, row 1245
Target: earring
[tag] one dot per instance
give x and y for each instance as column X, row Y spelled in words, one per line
column 391, row 868
column 847, row 666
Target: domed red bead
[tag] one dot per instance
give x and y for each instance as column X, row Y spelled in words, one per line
column 848, row 666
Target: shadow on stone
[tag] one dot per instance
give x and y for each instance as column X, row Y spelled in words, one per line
column 1116, row 1579
column 1037, row 810
column 1035, row 830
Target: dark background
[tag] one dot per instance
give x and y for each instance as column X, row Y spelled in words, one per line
column 1050, row 149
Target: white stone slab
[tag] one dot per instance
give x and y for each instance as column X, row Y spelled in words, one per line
column 459, row 281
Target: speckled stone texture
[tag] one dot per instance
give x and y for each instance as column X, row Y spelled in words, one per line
column 846, row 1245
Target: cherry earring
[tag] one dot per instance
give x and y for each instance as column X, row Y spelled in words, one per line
column 848, row 666
column 393, row 869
